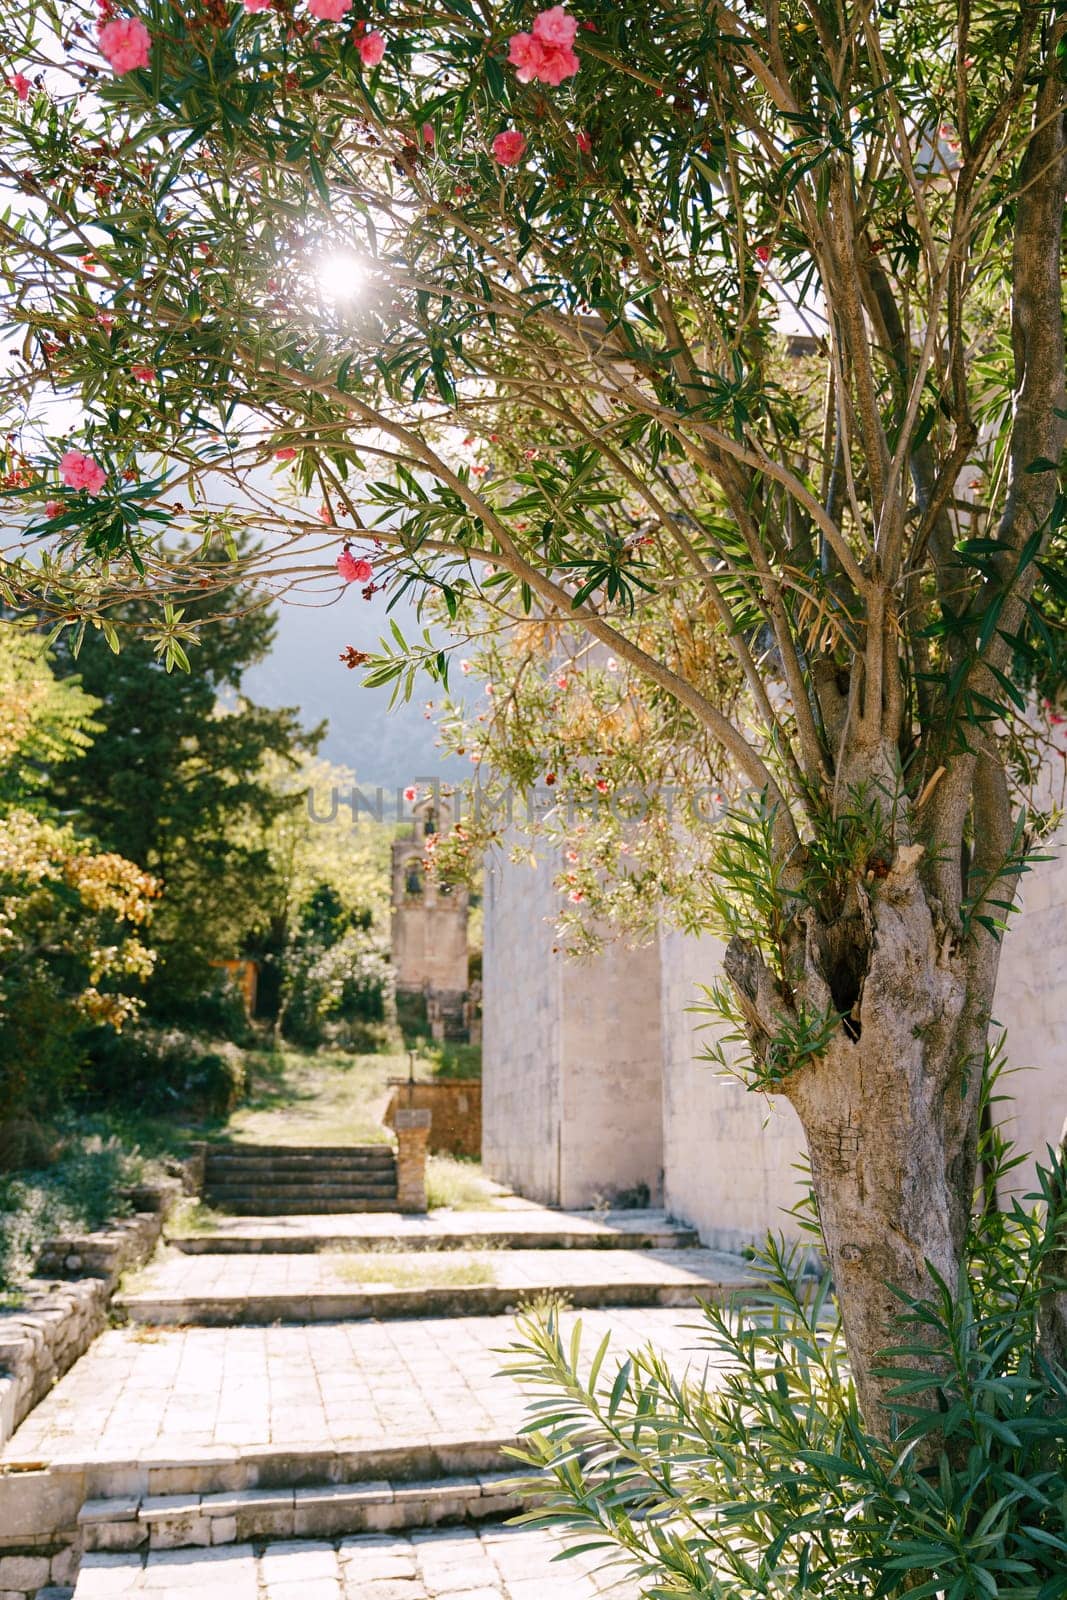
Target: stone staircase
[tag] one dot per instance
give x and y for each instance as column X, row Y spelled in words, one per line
column 177, row 1439
column 292, row 1180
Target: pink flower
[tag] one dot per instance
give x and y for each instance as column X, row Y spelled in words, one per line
column 143, row 374
column 525, row 53
column 354, row 569
column 54, row 508
column 79, row 471
column 256, row 5
column 329, row 10
column 429, row 137
column 509, row 147
column 125, row 42
column 546, row 54
column 21, row 85
column 576, row 896
column 286, row 453
column 555, row 27
column 371, row 48
column 410, row 792
column 585, row 144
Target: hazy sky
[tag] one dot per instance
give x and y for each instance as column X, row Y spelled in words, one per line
column 391, row 748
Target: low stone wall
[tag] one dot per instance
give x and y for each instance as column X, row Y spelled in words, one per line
column 28, row 1572
column 455, row 1105
column 62, row 1310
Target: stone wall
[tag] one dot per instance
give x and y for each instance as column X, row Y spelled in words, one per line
column 729, row 1156
column 521, row 1029
column 578, row 1060
column 55, row 1321
column 611, row 1132
column 570, row 1054
column 1032, row 1005
column 455, row 1106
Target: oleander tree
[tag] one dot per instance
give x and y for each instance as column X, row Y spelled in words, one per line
column 493, row 306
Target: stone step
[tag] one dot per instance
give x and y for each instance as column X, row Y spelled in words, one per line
column 181, row 1521
column 373, row 1187
column 531, row 1228
column 484, row 1562
column 477, row 1300
column 311, row 1151
column 278, row 1161
column 312, row 1205
column 229, row 1291
column 44, row 1506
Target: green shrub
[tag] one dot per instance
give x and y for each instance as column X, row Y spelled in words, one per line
column 165, row 1071
column 759, row 1479
column 451, row 1060
column 332, row 990
column 81, row 1190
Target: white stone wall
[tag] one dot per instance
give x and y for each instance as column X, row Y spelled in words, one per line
column 1032, row 1005
column 729, row 1155
column 521, row 1029
column 573, row 1074
column 571, row 1059
column 611, row 1133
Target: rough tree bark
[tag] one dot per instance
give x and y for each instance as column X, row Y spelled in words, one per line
column 889, row 1108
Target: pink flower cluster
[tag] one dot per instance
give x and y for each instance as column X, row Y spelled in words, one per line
column 21, row 85
column 546, row 55
column 354, row 569
column 125, row 43
column 80, row 471
column 509, row 147
column 371, row 47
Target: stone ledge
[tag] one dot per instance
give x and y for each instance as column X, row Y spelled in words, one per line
column 61, row 1311
column 183, row 1521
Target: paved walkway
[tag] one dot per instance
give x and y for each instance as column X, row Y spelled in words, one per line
column 228, row 1289
column 515, row 1224
column 313, row 1451
column 140, row 1395
column 461, row 1564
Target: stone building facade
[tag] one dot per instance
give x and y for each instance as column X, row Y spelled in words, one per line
column 428, row 926
column 593, row 1082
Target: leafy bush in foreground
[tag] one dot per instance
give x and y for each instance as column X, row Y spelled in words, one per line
column 753, row 1474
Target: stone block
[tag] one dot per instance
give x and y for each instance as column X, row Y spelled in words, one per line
column 35, row 1504
column 384, row 1588
column 24, row 1572
column 115, row 1536
column 223, row 1530
column 122, row 1509
column 63, row 1570
column 180, row 1531
column 338, row 1508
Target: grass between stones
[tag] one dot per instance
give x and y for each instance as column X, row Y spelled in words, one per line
column 460, row 1185
column 451, row 1269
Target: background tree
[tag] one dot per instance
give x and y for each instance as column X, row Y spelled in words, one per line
column 181, row 777
column 73, row 957
column 322, row 934
column 567, row 239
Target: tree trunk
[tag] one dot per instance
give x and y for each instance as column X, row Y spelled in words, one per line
column 890, row 1108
